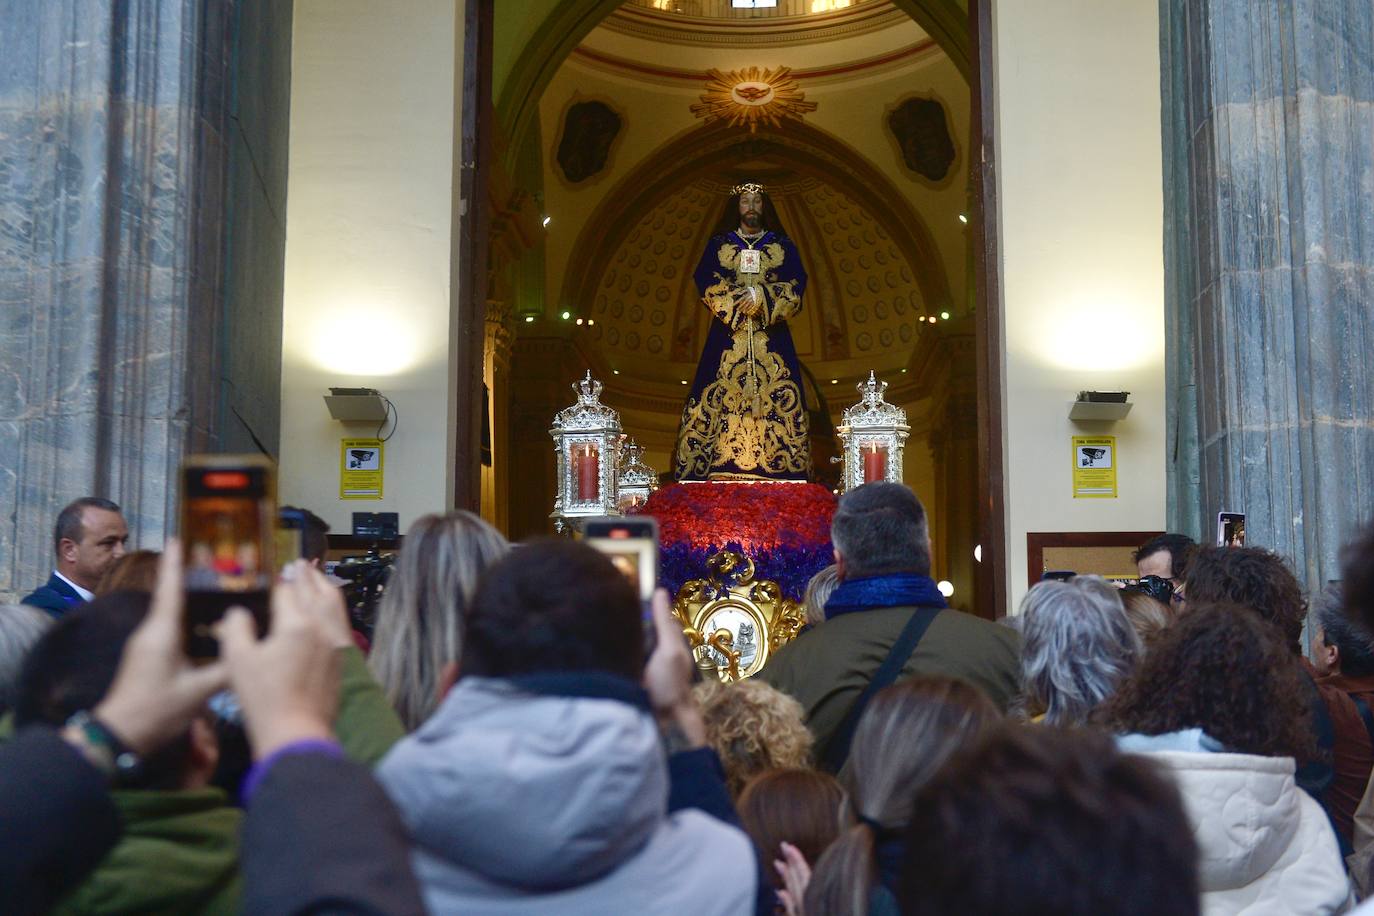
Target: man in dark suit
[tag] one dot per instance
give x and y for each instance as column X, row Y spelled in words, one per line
column 89, row 536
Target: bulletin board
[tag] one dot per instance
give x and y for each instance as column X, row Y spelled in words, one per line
column 1099, row 553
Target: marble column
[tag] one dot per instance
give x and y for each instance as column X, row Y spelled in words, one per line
column 112, row 176
column 1269, row 247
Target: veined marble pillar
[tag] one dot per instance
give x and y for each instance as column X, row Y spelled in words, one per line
column 1269, row 247
column 112, row 175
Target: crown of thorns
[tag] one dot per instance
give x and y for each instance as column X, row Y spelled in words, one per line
column 753, row 186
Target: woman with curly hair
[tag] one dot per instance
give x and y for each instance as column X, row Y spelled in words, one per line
column 754, row 727
column 904, row 737
column 1218, row 702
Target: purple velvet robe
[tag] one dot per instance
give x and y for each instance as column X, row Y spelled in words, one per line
column 745, row 417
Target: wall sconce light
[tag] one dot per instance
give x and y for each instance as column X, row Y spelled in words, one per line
column 1108, row 406
column 356, row 405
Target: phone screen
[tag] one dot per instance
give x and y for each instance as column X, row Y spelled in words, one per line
column 228, row 533
column 632, row 546
column 1230, row 529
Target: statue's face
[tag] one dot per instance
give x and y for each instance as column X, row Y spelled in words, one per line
column 751, row 209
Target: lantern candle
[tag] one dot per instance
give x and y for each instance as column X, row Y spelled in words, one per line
column 587, row 468
column 875, row 463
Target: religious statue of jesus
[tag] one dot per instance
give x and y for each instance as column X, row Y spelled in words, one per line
column 745, row 417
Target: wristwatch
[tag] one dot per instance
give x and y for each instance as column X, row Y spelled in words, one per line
column 103, row 748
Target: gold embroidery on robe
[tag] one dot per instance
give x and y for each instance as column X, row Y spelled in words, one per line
column 755, row 420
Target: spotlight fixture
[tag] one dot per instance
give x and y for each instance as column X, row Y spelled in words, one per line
column 945, row 315
column 579, row 322
column 549, row 219
column 356, row 405
column 567, row 315
column 963, row 218
column 945, row 587
column 529, row 319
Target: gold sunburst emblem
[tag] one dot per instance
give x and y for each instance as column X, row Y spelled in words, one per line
column 752, row 97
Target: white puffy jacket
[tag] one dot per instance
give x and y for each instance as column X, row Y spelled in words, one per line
column 1266, row 847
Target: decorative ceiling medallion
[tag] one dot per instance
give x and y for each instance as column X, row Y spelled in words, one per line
column 752, row 97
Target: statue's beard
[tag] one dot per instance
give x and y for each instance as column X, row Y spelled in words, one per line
column 750, row 220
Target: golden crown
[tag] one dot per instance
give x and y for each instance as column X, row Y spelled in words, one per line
column 753, row 186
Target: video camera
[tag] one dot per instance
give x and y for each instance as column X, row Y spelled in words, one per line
column 1158, row 588
column 367, row 577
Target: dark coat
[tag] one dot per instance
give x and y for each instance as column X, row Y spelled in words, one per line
column 55, row 596
column 319, row 837
column 828, row 667
column 58, row 823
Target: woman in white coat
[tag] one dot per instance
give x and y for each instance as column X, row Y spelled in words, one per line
column 1218, row 703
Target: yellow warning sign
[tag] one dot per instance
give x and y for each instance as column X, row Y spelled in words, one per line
column 360, row 469
column 1094, row 467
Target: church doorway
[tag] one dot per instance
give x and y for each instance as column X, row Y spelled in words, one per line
column 614, row 134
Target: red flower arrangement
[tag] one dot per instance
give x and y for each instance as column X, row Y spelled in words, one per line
column 757, row 516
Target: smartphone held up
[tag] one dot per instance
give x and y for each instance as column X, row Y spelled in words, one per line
column 632, row 546
column 228, row 535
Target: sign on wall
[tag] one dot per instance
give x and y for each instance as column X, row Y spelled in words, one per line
column 360, row 469
column 1094, row 467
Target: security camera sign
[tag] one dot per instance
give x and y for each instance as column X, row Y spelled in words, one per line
column 1094, row 467
column 360, row 469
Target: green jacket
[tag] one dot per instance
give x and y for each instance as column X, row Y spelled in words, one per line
column 179, row 854
column 827, row 667
column 180, row 849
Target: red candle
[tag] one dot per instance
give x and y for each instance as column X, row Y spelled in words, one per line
column 875, row 464
column 587, row 467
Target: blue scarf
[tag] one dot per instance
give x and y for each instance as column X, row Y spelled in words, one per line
column 894, row 590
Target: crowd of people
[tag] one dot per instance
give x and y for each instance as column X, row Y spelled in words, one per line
column 507, row 741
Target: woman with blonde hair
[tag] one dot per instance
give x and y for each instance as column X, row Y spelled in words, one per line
column 420, row 623
column 909, row 731
column 754, row 727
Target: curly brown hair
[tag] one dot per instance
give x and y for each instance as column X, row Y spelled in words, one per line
column 754, row 727
column 1250, row 577
column 1221, row 669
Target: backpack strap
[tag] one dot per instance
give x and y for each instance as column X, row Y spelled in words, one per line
column 837, row 749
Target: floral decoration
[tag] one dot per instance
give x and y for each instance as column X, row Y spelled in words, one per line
column 783, row 528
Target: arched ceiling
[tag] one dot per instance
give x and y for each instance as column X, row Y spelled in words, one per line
column 532, row 38
column 875, row 273
column 863, row 305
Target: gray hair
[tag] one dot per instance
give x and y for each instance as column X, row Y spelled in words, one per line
column 881, row 528
column 423, row 612
column 21, row 627
column 818, row 592
column 1077, row 645
column 1346, row 633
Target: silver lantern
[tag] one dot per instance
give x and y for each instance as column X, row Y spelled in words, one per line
column 872, row 436
column 637, row 480
column 586, row 439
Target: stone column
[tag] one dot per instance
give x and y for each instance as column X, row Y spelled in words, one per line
column 1269, row 246
column 112, row 174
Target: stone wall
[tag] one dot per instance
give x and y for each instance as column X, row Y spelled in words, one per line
column 1269, row 240
column 113, row 158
